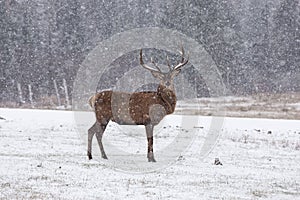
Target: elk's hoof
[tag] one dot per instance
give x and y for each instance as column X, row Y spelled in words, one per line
column 151, row 160
column 104, row 157
column 89, row 156
column 151, row 157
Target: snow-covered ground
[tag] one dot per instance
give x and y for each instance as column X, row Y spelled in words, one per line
column 43, row 156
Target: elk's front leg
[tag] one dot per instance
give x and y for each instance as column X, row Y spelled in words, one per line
column 149, row 132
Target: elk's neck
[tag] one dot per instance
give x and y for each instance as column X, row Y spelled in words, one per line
column 169, row 98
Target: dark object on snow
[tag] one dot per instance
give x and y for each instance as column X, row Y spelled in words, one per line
column 2, row 118
column 180, row 158
column 269, row 132
column 217, row 162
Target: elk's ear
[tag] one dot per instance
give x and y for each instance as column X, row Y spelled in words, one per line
column 176, row 72
column 157, row 75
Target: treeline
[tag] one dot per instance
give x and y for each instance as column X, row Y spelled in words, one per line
column 255, row 44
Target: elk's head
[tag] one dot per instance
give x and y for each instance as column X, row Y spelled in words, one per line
column 166, row 78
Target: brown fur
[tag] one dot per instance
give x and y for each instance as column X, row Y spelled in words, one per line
column 137, row 111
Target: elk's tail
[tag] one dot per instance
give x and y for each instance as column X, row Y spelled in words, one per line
column 92, row 100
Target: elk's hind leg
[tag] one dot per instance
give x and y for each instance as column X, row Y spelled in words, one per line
column 100, row 128
column 91, row 133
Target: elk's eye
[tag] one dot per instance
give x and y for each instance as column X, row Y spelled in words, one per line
column 168, row 83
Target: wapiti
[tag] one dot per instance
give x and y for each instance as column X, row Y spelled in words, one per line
column 138, row 108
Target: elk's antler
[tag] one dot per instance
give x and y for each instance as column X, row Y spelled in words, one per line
column 157, row 69
column 148, row 67
column 183, row 60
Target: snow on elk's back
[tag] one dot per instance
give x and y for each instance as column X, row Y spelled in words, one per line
column 43, row 156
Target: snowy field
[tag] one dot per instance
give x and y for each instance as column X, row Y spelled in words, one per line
column 43, row 156
column 274, row 106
